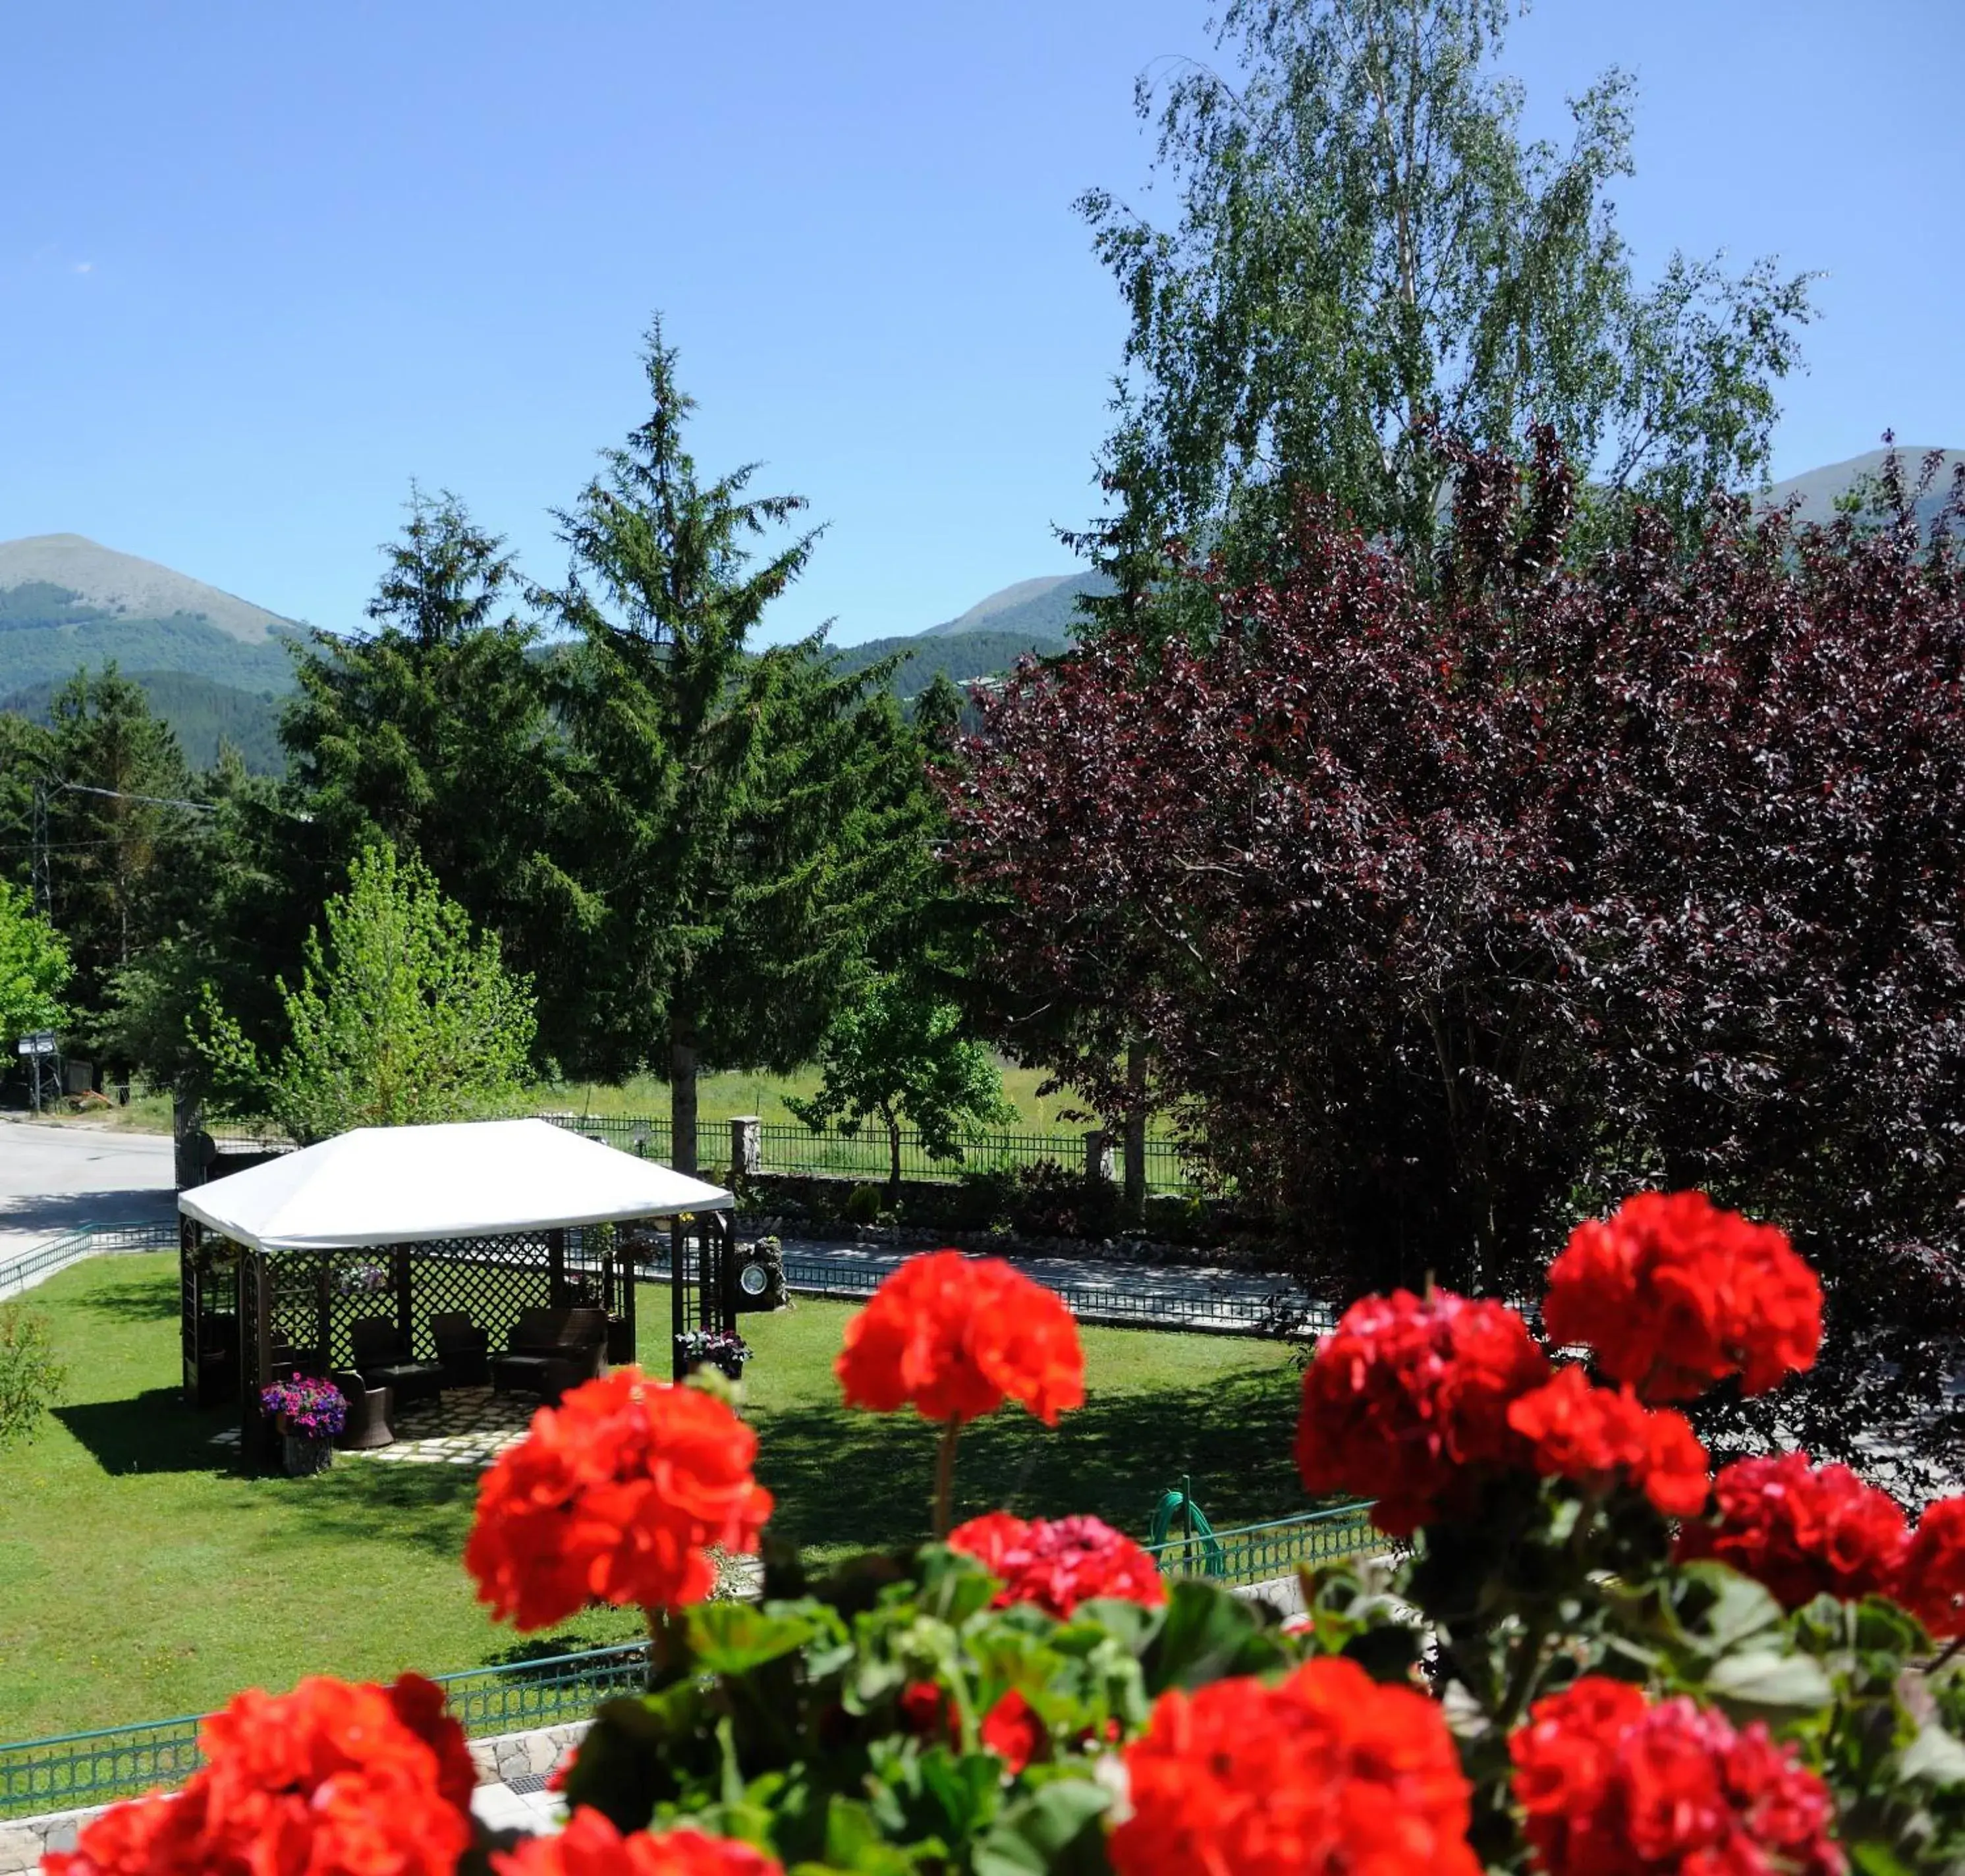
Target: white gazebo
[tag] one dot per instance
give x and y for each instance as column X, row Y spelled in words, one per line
column 485, row 1218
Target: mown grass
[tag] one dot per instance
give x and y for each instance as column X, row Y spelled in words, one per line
column 142, row 1576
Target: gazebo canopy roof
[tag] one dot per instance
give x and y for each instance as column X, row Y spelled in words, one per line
column 412, row 1184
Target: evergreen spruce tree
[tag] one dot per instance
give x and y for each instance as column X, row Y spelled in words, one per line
column 751, row 820
column 119, row 835
column 434, row 731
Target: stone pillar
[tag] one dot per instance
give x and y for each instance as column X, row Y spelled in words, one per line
column 746, row 1152
column 189, row 1141
column 1098, row 1156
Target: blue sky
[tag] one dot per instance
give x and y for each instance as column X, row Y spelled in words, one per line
column 259, row 265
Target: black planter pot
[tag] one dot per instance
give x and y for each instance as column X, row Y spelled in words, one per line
column 303, row 1454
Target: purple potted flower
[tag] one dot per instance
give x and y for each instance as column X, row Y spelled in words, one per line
column 309, row 1413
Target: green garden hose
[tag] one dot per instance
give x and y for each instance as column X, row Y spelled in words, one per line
column 1180, row 1519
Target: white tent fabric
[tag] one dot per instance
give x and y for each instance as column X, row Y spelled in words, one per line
column 410, row 1185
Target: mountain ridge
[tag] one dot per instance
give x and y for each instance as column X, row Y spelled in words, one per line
column 103, row 580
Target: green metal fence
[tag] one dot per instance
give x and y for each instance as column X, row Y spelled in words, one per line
column 1258, row 1553
column 78, row 1769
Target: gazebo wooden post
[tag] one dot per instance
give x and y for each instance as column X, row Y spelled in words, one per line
column 726, row 1272
column 399, row 1267
column 323, row 1310
column 678, row 1298
column 190, row 1304
column 556, row 1267
column 624, row 1273
column 256, row 1332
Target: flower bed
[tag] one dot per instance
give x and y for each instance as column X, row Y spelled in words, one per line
column 1595, row 1656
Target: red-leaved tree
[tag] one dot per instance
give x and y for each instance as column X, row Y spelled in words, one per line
column 1448, row 903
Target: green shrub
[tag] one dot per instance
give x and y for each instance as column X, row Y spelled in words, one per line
column 31, row 1379
column 863, row 1207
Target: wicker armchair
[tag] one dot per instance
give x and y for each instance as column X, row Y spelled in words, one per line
column 463, row 1350
column 551, row 1350
column 367, row 1426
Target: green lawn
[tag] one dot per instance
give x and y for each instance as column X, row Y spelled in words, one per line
column 141, row 1577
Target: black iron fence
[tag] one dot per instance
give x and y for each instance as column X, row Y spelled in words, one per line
column 867, row 1152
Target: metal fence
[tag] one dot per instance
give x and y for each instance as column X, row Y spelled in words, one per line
column 786, row 1146
column 84, row 1768
column 85, row 1240
column 1156, row 1304
column 1259, row 1553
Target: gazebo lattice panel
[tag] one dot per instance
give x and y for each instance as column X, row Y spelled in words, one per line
column 274, row 1307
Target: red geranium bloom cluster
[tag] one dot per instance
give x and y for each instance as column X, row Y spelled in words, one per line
column 955, row 1337
column 590, row 1845
column 330, row 1780
column 1325, row 1771
column 1932, row 1580
column 1673, row 1295
column 1408, row 1397
column 1057, row 1563
column 1614, row 1786
column 1011, row 1728
column 612, row 1496
column 1802, row 1530
column 1600, row 1436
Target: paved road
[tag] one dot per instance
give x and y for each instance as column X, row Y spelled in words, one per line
column 54, row 1178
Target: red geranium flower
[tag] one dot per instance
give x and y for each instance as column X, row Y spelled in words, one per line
column 1598, row 1437
column 955, row 1337
column 613, row 1496
column 1673, row 1295
column 1012, row 1731
column 1802, row 1530
column 1931, row 1581
column 332, row 1780
column 1325, row 1771
column 1613, row 1785
column 590, row 1845
column 1407, row 1399
column 1057, row 1563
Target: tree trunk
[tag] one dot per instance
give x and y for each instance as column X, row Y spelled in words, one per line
column 893, row 1155
column 682, row 1093
column 1135, row 1137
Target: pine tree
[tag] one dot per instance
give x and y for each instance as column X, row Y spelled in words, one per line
column 434, row 732
column 748, row 818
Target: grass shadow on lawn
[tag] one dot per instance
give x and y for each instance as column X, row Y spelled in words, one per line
column 428, row 1507
column 150, row 1297
column 847, row 1479
column 154, row 1433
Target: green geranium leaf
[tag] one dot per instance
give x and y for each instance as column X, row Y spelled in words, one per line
column 1872, row 1858
column 1760, row 1678
column 1209, row 1633
column 735, row 1637
column 1051, row 1831
column 1718, row 1609
column 1935, row 1756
